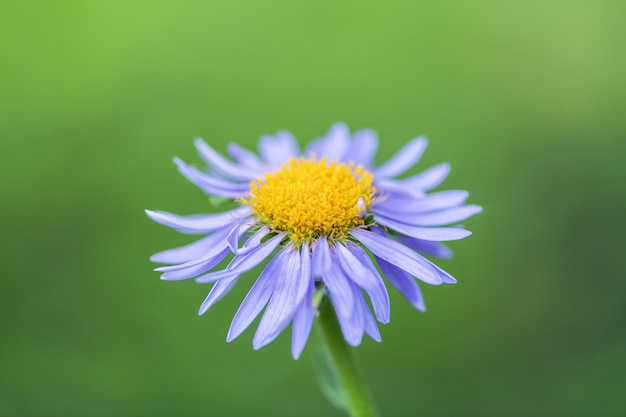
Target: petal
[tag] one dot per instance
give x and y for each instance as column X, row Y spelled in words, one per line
column 188, row 252
column 447, row 278
column 218, row 245
column 402, row 204
column 211, row 184
column 243, row 263
column 253, row 241
column 293, row 277
column 370, row 326
column 427, row 247
column 397, row 188
column 430, row 178
column 443, row 217
column 275, row 151
column 350, row 321
column 404, row 159
column 398, row 255
column 302, row 322
column 257, row 298
column 199, row 223
column 288, row 143
column 223, row 165
column 354, row 269
column 359, row 268
column 178, row 273
column 426, row 180
column 336, row 142
column 437, row 234
column 244, row 156
column 403, row 282
column 220, row 289
column 321, row 257
column 233, row 239
column 338, row 287
column 363, row 147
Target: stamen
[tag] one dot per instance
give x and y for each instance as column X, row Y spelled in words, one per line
column 307, row 198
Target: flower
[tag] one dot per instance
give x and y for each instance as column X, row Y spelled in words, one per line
column 315, row 215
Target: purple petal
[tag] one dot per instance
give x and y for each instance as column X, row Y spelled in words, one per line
column 199, row 223
column 336, row 142
column 194, row 270
column 233, row 239
column 288, row 143
column 338, row 287
column 427, row 247
column 398, row 255
column 275, row 151
column 359, row 268
column 243, row 263
column 213, row 256
column 210, row 184
column 403, row 282
column 351, row 321
column 188, row 252
column 397, row 189
column 437, row 234
column 428, row 179
column 220, row 289
column 302, row 322
column 316, row 148
column 257, row 298
column 363, row 147
column 396, row 205
column 218, row 246
column 371, row 328
column 321, row 257
column 244, row 156
column 354, row 269
column 253, row 241
column 404, row 159
column 442, row 217
column 447, row 278
column 293, row 277
column 222, row 165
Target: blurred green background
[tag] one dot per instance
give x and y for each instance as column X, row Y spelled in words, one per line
column 526, row 100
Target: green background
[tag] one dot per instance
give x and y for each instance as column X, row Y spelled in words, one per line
column 526, row 100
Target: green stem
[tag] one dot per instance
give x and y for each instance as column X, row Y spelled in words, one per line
column 359, row 404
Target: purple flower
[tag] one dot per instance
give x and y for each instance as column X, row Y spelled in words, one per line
column 315, row 215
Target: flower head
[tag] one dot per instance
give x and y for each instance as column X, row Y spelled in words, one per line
column 315, row 215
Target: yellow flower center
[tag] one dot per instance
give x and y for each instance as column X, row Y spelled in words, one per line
column 306, row 198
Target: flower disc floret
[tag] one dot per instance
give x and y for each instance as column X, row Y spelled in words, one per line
column 307, row 198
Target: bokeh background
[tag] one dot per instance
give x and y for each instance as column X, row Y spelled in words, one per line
column 526, row 100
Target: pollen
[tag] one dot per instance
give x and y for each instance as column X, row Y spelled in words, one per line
column 308, row 198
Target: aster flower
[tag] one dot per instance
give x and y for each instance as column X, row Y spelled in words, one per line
column 316, row 216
